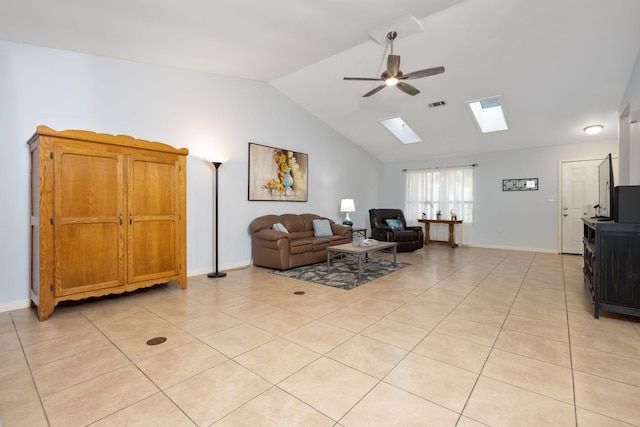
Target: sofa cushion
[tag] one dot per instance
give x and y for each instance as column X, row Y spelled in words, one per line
column 322, row 228
column 279, row 227
column 300, row 246
column 394, row 224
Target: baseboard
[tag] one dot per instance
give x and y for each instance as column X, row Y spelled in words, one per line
column 15, row 305
column 512, row 248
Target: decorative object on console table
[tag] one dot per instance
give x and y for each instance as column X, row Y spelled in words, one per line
column 277, row 174
column 612, row 266
column 347, row 206
column 216, row 273
column 108, row 215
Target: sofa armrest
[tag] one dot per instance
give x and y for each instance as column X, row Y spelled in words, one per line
column 340, row 230
column 270, row 235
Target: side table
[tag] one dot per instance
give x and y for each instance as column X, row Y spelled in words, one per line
column 427, row 238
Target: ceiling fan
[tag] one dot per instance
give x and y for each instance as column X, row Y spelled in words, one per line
column 392, row 76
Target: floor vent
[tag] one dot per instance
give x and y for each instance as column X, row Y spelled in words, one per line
column 438, row 104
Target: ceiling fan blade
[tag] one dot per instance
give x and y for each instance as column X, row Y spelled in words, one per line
column 393, row 64
column 362, row 78
column 375, row 90
column 407, row 88
column 423, row 73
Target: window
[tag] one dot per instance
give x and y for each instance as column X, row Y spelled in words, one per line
column 442, row 189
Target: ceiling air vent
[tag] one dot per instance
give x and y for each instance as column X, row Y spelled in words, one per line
column 438, row 104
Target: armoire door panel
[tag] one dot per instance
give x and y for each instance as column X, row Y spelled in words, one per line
column 151, row 245
column 88, row 233
column 152, row 249
column 89, row 257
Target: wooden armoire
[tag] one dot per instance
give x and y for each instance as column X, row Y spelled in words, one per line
column 108, row 215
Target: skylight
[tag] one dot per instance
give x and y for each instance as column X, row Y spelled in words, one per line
column 488, row 114
column 400, row 130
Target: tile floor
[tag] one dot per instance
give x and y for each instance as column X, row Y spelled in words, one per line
column 463, row 337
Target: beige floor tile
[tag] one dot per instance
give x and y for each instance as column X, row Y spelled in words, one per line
column 221, row 299
column 541, row 328
column 95, row 399
column 319, row 336
column 17, row 390
column 313, row 308
column 213, row 394
column 140, row 324
column 530, row 374
column 9, row 339
column 277, row 359
column 58, row 326
column 468, row 422
column 75, row 369
column 29, row 414
column 604, row 364
column 430, row 379
column 328, row 386
column 535, row 347
column 238, row 339
column 208, row 324
column 396, row 333
column 606, row 397
column 539, row 312
column 12, row 362
column 623, row 345
column 368, row 355
column 374, row 306
column 495, row 403
column 454, row 351
column 182, row 310
column 419, row 316
column 588, row 418
column 156, row 410
column 281, row 322
column 183, row 361
column 391, row 406
column 250, row 310
column 275, row 408
column 349, row 319
column 486, row 315
column 48, row 351
column 472, row 331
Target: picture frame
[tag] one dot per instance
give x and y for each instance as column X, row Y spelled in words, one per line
column 277, row 174
column 520, row 184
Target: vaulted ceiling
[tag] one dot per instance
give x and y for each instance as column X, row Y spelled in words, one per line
column 559, row 65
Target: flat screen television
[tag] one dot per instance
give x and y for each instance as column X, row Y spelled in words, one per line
column 605, row 188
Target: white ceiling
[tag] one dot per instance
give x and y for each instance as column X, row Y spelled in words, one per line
column 559, row 65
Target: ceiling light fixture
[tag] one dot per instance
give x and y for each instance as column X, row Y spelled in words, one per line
column 391, row 81
column 593, row 129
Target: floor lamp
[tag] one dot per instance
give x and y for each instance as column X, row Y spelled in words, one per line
column 216, row 273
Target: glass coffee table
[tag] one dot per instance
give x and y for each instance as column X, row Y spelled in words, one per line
column 360, row 251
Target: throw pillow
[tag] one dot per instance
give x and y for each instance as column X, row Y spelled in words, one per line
column 394, row 224
column 279, row 227
column 322, row 228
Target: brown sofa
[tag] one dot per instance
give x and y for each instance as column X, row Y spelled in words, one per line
column 300, row 246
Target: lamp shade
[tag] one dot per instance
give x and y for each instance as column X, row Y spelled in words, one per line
column 347, row 205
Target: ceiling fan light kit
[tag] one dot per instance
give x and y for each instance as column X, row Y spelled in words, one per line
column 393, row 76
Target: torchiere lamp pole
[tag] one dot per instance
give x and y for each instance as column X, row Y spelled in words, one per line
column 216, row 273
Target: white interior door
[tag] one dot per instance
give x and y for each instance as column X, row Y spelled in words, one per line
column 579, row 195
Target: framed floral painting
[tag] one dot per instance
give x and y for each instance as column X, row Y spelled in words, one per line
column 277, row 174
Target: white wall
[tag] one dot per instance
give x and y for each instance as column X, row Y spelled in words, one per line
column 210, row 115
column 509, row 219
column 629, row 134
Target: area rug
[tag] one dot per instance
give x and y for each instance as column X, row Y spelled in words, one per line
column 344, row 272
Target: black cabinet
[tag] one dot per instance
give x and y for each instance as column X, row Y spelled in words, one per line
column 612, row 266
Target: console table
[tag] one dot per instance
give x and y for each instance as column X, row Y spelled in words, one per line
column 427, row 223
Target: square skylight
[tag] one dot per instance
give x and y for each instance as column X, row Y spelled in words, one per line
column 488, row 114
column 400, row 130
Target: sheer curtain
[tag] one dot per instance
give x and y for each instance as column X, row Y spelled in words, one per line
column 441, row 189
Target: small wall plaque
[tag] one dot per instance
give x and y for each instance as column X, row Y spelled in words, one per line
column 520, row 184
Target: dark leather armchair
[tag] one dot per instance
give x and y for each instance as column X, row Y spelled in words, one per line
column 408, row 239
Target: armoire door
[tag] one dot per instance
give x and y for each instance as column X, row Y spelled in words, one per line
column 152, row 209
column 88, row 220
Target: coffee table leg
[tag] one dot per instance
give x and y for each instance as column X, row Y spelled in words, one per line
column 395, row 251
column 328, row 260
column 360, row 266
